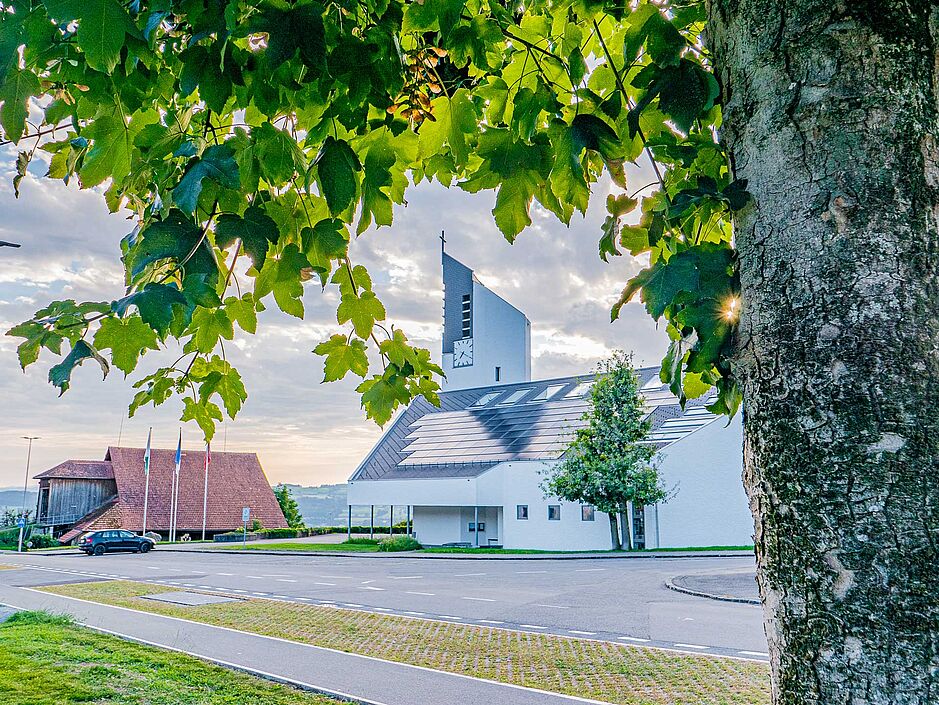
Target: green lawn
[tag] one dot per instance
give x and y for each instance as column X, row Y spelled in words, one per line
column 611, row 672
column 371, row 546
column 47, row 660
column 701, row 548
column 357, row 546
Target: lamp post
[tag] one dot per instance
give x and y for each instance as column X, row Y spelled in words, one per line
column 29, row 452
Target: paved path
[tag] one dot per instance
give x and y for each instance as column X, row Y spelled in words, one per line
column 360, row 678
column 732, row 586
column 623, row 600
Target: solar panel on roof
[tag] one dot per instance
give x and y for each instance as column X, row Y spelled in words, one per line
column 514, row 396
column 547, row 392
column 485, row 399
column 580, row 390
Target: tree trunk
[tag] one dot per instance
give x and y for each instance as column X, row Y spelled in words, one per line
column 624, row 529
column 614, row 532
column 831, row 114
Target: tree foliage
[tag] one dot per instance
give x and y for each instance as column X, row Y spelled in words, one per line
column 289, row 506
column 277, row 131
column 606, row 464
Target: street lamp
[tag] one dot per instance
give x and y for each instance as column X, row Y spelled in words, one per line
column 29, row 452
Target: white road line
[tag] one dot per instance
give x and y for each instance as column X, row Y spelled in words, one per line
column 466, row 575
column 330, row 584
column 478, row 599
column 371, row 587
column 447, row 616
column 151, row 567
column 281, row 597
column 690, row 646
column 188, row 585
column 589, row 570
column 255, row 577
column 366, row 582
column 520, row 572
column 382, row 609
column 351, row 604
column 577, row 631
column 753, row 653
column 405, row 577
column 285, row 580
column 206, row 587
column 633, row 638
column 241, row 591
column 260, row 594
column 531, row 626
column 335, row 576
column 427, row 594
column 227, row 575
column 554, row 607
column 416, row 614
column 489, row 621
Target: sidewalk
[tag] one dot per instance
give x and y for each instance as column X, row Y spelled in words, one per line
column 356, row 678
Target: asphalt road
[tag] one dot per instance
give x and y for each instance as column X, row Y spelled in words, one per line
column 618, row 600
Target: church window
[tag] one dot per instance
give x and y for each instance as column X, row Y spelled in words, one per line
column 554, row 512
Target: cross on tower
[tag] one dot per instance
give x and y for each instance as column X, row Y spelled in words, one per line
column 443, row 242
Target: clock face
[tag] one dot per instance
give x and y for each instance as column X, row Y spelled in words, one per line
column 463, row 352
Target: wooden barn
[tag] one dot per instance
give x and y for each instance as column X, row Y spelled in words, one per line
column 87, row 495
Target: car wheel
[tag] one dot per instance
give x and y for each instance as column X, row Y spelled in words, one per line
column 144, row 547
column 99, row 550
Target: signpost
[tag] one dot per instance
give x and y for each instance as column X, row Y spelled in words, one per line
column 245, row 515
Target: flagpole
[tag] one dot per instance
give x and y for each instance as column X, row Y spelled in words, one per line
column 205, row 490
column 146, row 490
column 175, row 510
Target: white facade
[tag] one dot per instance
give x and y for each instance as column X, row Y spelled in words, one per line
column 707, row 504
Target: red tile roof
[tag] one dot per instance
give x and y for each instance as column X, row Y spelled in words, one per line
column 79, row 469
column 107, row 516
column 236, row 480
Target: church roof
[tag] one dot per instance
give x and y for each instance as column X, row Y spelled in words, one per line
column 476, row 429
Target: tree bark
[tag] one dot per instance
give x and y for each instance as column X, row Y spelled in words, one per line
column 614, row 532
column 831, row 115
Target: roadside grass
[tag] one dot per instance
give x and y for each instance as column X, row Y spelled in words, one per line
column 356, row 546
column 47, row 660
column 700, row 548
column 626, row 675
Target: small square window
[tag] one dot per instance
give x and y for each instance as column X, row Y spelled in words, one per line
column 586, row 512
column 521, row 511
column 472, row 526
column 554, row 512
column 498, row 374
column 482, row 527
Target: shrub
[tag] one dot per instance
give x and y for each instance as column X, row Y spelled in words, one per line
column 31, row 617
column 398, row 543
column 43, row 541
column 278, row 533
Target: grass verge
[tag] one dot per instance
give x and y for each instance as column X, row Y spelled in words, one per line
column 614, row 673
column 356, row 546
column 47, row 660
column 700, row 548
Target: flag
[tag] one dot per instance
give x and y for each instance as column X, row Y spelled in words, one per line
column 146, row 455
column 179, row 451
column 205, row 489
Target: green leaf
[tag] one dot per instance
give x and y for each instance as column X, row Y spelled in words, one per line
column 109, row 156
column 208, row 325
column 60, row 375
column 590, row 132
column 155, row 303
column 127, row 338
column 243, row 311
column 22, row 162
column 298, row 30
column 279, row 156
column 216, row 376
column 15, row 92
column 376, row 203
column 336, row 173
column 176, row 237
column 218, row 164
column 103, row 25
column 454, row 121
column 256, row 230
column 343, row 356
column 381, row 396
column 398, row 351
column 283, row 276
column 37, row 336
column 326, row 241
column 363, row 310
column 204, row 413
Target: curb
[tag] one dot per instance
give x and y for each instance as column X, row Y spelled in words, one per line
column 470, row 557
column 710, row 595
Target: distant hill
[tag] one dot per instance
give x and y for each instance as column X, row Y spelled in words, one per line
column 11, row 498
column 325, row 505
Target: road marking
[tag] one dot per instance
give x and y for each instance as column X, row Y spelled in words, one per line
column 489, row 621
column 690, row 646
column 285, row 580
column 241, row 591
column 228, row 575
column 633, row 638
column 520, row 572
column 447, row 616
column 276, row 575
column 188, row 585
column 753, row 653
column 305, row 599
column 427, row 594
column 382, row 609
column 577, row 631
column 554, row 607
column 151, row 567
column 335, row 576
column 405, row 577
column 416, row 614
column 531, row 626
column 261, row 594
column 281, row 597
column 589, row 570
column 466, row 575
column 371, row 587
column 206, row 587
column 330, row 584
column 478, row 599
column 255, row 577
column 351, row 604
column 366, row 582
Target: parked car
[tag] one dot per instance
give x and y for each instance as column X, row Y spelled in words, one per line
column 101, row 542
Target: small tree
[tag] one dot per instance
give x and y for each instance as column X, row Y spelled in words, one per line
column 289, row 506
column 606, row 465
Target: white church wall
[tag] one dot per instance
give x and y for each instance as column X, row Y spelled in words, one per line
column 709, row 506
column 434, row 526
column 445, row 492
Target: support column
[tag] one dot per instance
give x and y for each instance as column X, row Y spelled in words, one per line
column 349, row 525
column 391, row 524
column 408, row 524
column 476, row 524
column 371, row 523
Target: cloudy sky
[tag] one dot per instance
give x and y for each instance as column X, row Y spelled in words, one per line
column 304, row 432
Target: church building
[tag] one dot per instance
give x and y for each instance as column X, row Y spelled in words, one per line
column 469, row 471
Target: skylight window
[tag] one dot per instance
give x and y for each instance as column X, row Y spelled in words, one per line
column 514, row 396
column 547, row 392
column 580, row 390
column 485, row 399
column 653, row 383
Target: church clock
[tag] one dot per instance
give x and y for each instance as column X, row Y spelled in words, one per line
column 463, row 352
